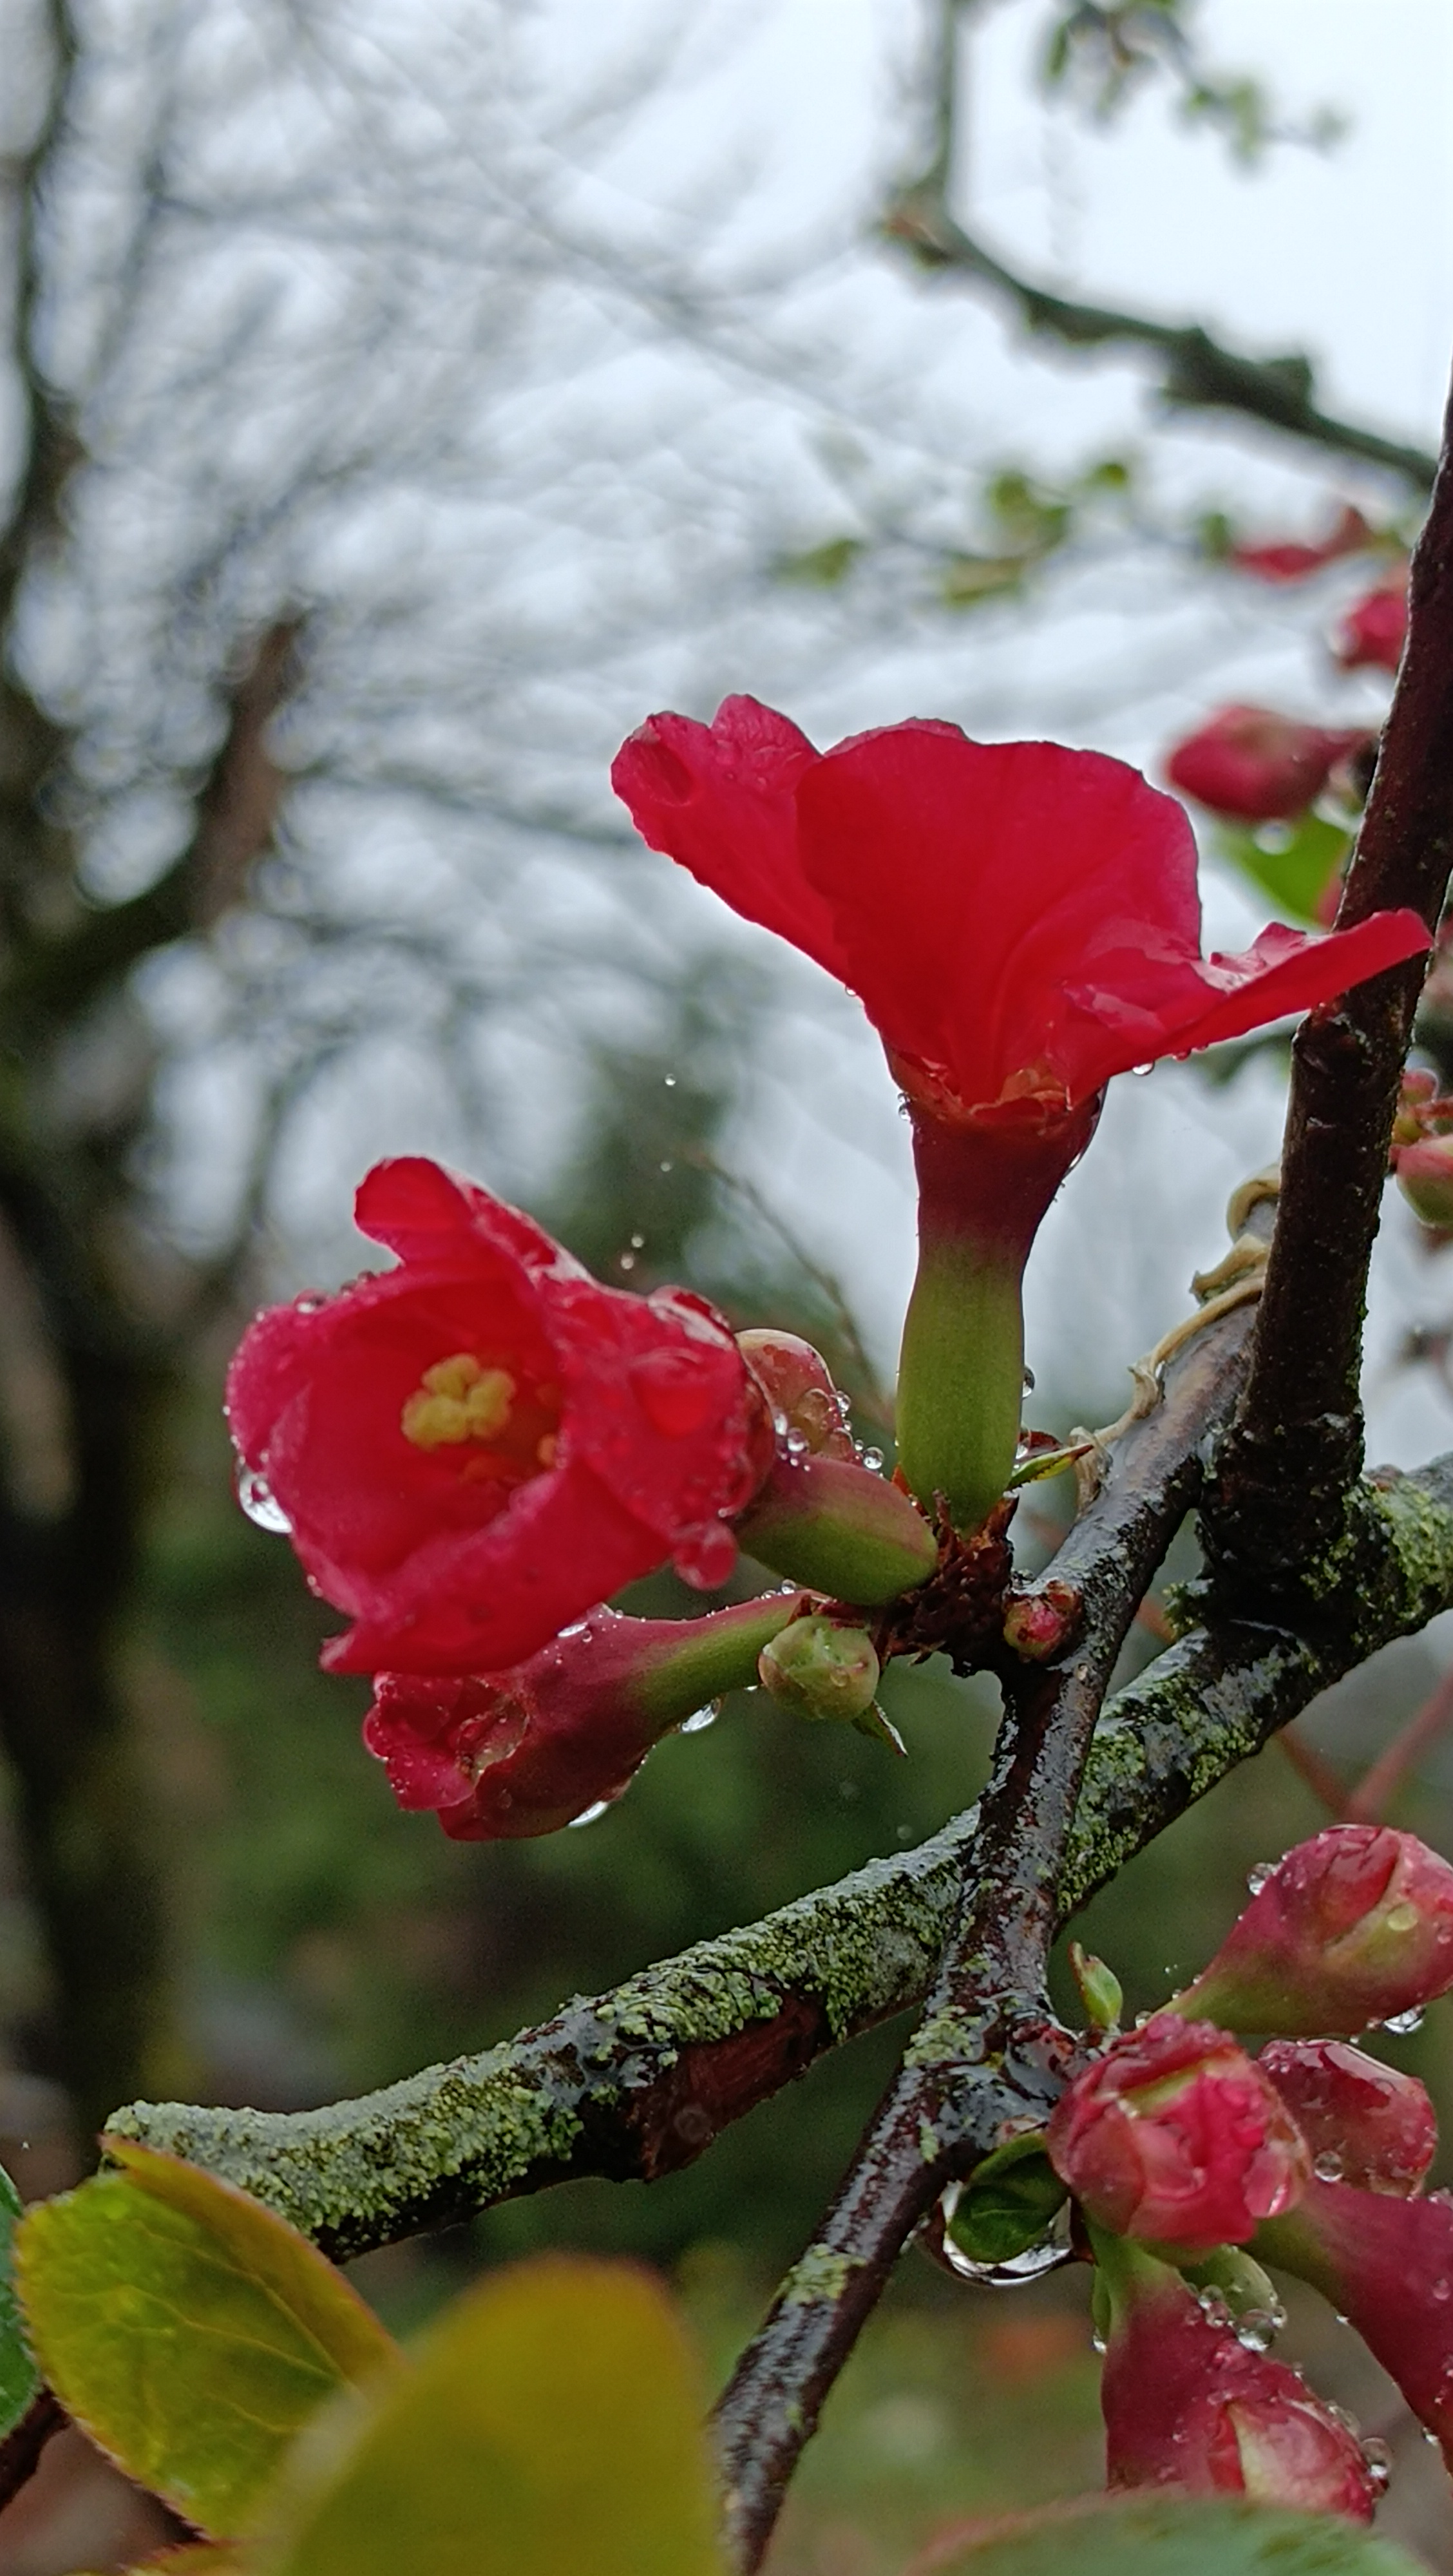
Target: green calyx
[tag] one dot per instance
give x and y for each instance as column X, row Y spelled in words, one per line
column 703, row 1658
column 839, row 1527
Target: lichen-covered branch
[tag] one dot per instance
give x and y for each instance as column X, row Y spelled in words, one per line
column 1197, row 372
column 637, row 2082
column 1297, row 1444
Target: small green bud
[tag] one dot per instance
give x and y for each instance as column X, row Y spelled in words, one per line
column 820, row 1670
column 1101, row 1992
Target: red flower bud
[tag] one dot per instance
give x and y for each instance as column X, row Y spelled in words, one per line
column 1353, row 1927
column 1364, row 2123
column 1372, row 634
column 479, row 1445
column 1172, row 2135
column 1256, row 766
column 1186, row 2405
column 1292, row 560
column 1386, row 2265
column 1425, row 1176
column 500, row 1756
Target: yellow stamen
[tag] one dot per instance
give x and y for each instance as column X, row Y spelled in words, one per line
column 460, row 1399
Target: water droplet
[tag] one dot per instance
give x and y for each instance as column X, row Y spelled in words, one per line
column 627, row 1261
column 702, row 1718
column 705, row 1557
column 309, row 1302
column 666, row 1165
column 1380, row 2461
column 1098, row 2343
column 1256, row 2329
column 1403, row 2024
column 1258, row 1874
column 873, row 1460
column 797, row 1444
column 638, row 1243
column 1329, row 2167
column 1213, row 2307
column 670, row 1081
column 260, row 1503
column 589, row 1815
column 1440, row 2290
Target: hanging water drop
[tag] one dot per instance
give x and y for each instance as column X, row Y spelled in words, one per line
column 1258, row 1874
column 1328, row 2167
column 1378, row 2455
column 260, row 1503
column 701, row 1718
column 1402, row 2025
column 872, row 1459
column 1255, row 2329
column 589, row 1815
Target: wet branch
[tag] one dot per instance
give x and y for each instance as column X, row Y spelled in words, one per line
column 1197, row 372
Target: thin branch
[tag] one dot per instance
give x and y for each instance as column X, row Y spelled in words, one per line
column 1369, row 1801
column 1197, row 371
column 1297, row 1443
column 23, row 2444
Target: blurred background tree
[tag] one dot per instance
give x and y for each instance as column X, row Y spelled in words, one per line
column 399, row 407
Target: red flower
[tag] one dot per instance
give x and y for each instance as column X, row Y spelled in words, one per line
column 1257, row 766
column 500, row 1756
column 1352, row 1927
column 481, row 1444
column 1021, row 921
column 1187, row 2406
column 1171, row 2135
column 1387, row 2265
column 1373, row 633
column 1364, row 2123
column 1291, row 560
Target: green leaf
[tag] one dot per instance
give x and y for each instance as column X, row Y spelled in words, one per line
column 552, row 2424
column 1007, row 2202
column 823, row 566
column 1157, row 2536
column 190, row 2332
column 1292, row 862
column 19, row 2378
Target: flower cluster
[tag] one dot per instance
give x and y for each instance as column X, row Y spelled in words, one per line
column 475, row 1449
column 1191, row 2164
column 1251, row 766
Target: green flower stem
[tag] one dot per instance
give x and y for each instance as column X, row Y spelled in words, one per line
column 686, row 1662
column 982, row 1192
column 839, row 1527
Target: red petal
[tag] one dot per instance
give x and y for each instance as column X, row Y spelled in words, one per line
column 719, row 798
column 1288, row 970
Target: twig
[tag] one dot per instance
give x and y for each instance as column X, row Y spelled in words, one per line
column 1197, row 371
column 1369, row 1801
column 1297, row 1443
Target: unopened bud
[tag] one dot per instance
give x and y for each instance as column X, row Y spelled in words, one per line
column 1364, row 2123
column 1353, row 1927
column 1424, row 1172
column 1172, row 2136
column 1190, row 2403
column 820, row 1670
column 798, row 1385
column 1417, row 1094
column 1257, row 766
column 1041, row 1623
column 1101, row 1992
column 1373, row 633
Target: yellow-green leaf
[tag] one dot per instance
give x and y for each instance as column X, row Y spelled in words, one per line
column 1149, row 2535
column 551, row 2427
column 188, row 2330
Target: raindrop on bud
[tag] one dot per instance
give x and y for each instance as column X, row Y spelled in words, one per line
column 1403, row 2024
column 873, row 1460
column 260, row 1503
column 702, row 1718
column 589, row 1815
column 1258, row 1874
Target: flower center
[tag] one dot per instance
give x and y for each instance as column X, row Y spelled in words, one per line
column 459, row 1399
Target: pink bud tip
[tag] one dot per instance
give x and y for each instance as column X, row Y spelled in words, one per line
column 1364, row 2123
column 1174, row 2137
column 1353, row 1927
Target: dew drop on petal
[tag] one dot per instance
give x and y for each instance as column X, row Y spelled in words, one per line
column 260, row 1503
column 1258, row 1874
column 701, row 1718
column 797, row 1444
column 1378, row 2456
column 873, row 1460
column 1403, row 2024
column 589, row 1815
column 1328, row 2167
column 705, row 1557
